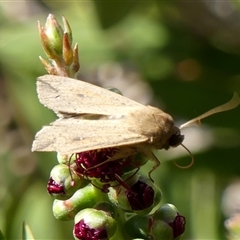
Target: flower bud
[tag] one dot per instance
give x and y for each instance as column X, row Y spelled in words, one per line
column 82, row 198
column 65, row 159
column 51, row 36
column 67, row 52
column 161, row 230
column 94, row 224
column 62, row 184
column 169, row 214
column 106, row 207
column 67, row 30
column 141, row 196
column 95, row 165
column 137, row 227
column 76, row 64
column 57, row 44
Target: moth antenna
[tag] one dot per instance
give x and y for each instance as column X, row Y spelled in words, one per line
column 192, row 159
column 233, row 103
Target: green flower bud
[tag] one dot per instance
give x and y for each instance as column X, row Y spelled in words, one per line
column 62, row 184
column 161, row 230
column 166, row 212
column 106, row 207
column 51, row 36
column 67, row 52
column 76, row 64
column 94, row 224
column 137, row 227
column 57, row 44
column 66, row 159
column 83, row 198
column 166, row 223
column 169, row 214
column 67, row 30
column 141, row 196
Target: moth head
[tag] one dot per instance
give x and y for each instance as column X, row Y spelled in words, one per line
column 175, row 139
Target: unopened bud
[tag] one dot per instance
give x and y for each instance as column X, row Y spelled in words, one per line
column 94, row 224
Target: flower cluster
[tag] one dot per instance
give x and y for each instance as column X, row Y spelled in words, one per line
column 56, row 43
column 99, row 188
column 95, row 164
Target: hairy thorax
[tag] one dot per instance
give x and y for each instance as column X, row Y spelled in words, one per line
column 156, row 125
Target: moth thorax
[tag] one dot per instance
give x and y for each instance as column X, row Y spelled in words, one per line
column 175, row 139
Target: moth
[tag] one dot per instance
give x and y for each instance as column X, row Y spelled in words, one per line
column 91, row 117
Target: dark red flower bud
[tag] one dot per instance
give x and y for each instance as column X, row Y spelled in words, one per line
column 169, row 214
column 84, row 232
column 93, row 224
column 178, row 225
column 96, row 164
column 54, row 187
column 140, row 196
column 63, row 182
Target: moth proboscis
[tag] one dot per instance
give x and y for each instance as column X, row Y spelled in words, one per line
column 91, row 118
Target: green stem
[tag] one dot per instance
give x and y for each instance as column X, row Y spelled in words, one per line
column 120, row 219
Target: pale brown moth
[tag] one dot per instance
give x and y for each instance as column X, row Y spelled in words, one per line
column 92, row 118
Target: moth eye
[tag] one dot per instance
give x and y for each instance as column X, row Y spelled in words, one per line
column 176, row 139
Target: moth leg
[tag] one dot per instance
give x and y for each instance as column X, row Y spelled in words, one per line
column 123, row 153
column 150, row 155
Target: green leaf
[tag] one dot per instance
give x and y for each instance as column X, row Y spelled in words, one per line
column 26, row 232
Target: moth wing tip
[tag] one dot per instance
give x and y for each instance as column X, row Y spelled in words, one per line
column 35, row 146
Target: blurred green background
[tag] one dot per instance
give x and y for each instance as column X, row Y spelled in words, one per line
column 182, row 56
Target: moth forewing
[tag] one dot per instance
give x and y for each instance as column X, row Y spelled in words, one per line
column 77, row 135
column 71, row 96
